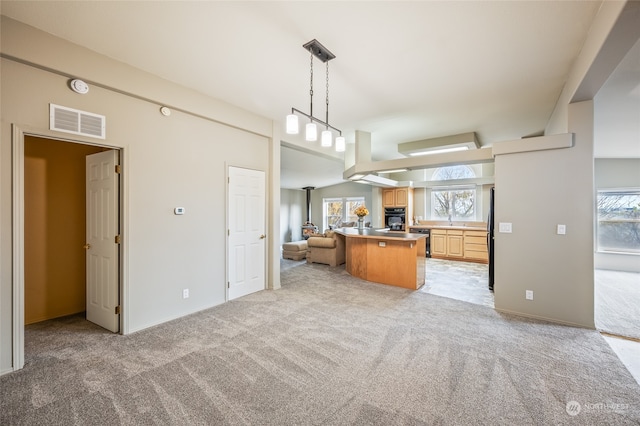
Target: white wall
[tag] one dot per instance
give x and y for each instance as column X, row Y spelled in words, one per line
column 293, row 212
column 179, row 160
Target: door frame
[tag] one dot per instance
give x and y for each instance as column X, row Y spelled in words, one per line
column 18, row 134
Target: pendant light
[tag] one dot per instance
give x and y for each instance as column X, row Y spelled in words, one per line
column 292, row 124
column 311, row 132
column 311, row 129
column 327, row 138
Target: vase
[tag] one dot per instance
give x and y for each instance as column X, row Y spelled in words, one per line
column 360, row 223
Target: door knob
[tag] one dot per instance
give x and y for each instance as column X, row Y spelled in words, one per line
column 262, row 237
column 87, row 246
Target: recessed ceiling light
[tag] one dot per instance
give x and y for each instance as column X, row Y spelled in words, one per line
column 439, row 151
column 439, row 145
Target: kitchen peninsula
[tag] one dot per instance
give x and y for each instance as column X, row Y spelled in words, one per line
column 385, row 257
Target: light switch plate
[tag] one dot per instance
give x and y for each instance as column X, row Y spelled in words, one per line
column 562, row 229
column 178, row 210
column 504, row 227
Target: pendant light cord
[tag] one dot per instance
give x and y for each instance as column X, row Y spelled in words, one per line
column 327, row 120
column 311, row 86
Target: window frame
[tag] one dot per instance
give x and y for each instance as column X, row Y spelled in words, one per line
column 454, row 188
column 345, row 213
column 466, row 174
column 631, row 220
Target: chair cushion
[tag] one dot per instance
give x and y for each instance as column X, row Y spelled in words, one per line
column 321, row 242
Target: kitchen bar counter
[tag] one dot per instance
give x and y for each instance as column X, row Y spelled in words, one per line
column 386, row 257
column 379, row 233
column 459, row 227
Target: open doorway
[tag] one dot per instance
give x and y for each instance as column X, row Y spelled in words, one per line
column 55, row 228
column 617, row 189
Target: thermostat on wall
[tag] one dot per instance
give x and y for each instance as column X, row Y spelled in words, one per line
column 178, row 210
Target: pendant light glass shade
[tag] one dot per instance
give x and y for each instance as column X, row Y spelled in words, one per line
column 292, row 124
column 311, row 132
column 327, row 137
column 340, row 144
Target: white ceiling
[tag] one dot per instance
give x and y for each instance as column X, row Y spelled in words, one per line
column 403, row 71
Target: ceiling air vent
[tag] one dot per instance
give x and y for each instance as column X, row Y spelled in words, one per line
column 78, row 122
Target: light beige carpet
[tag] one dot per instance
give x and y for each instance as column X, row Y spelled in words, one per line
column 326, row 349
column 617, row 306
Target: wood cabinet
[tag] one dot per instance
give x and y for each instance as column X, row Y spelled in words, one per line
column 388, row 198
column 397, row 197
column 475, row 246
column 459, row 244
column 402, row 197
column 438, row 243
column 380, row 258
column 447, row 243
column 455, row 243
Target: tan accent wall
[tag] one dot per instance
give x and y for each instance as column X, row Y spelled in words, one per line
column 54, row 228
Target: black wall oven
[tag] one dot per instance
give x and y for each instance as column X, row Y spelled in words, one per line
column 395, row 218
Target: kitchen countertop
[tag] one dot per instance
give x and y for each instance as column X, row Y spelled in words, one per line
column 379, row 234
column 460, row 227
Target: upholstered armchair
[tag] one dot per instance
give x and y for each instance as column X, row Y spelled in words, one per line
column 328, row 249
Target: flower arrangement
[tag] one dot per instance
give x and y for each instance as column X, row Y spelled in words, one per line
column 361, row 211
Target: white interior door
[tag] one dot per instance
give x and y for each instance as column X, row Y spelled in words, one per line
column 101, row 247
column 247, row 241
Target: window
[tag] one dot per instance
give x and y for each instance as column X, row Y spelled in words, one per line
column 454, row 202
column 619, row 221
column 453, row 172
column 338, row 210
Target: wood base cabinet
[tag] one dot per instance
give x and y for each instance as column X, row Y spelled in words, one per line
column 458, row 244
column 392, row 261
column 475, row 246
column 447, row 243
column 438, row 243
